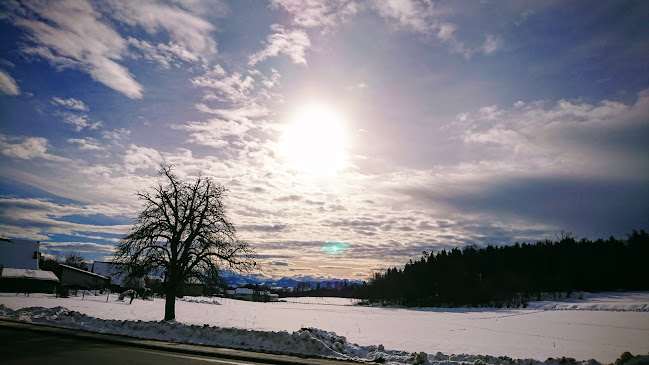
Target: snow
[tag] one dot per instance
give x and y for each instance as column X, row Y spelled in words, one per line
column 597, row 302
column 203, row 300
column 322, row 301
column 28, row 274
column 600, row 326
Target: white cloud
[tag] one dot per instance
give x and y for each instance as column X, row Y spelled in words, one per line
column 163, row 54
column 79, row 121
column 235, row 87
column 137, row 158
column 422, row 17
column 446, row 31
column 566, row 137
column 416, row 15
column 86, row 144
column 210, row 96
column 78, row 247
column 8, row 84
column 215, row 8
column 490, row 112
column 38, row 218
column 70, row 103
column 117, row 134
column 357, row 86
column 492, row 44
column 26, row 148
column 71, row 34
column 318, row 13
column 244, row 113
column 292, row 43
column 190, row 34
column 214, row 131
column 273, row 80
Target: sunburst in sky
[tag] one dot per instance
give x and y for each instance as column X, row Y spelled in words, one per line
column 314, row 140
column 393, row 127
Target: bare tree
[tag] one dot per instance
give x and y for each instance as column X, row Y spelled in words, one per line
column 183, row 231
column 75, row 259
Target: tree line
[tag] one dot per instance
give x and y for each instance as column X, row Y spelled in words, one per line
column 337, row 288
column 514, row 274
column 73, row 258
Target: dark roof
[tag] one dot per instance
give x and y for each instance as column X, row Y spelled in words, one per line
column 84, row 271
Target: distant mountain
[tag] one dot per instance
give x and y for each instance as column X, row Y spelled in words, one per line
column 233, row 279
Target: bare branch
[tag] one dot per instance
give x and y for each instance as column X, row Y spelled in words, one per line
column 183, row 229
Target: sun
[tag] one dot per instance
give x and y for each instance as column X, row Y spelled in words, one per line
column 314, row 140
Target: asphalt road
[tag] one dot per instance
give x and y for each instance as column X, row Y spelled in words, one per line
column 30, row 347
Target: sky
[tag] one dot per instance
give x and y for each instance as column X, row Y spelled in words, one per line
column 351, row 135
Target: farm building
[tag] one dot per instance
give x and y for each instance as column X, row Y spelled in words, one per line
column 19, row 270
column 19, row 254
column 252, row 295
column 243, row 293
column 78, row 278
column 193, row 287
column 269, row 297
column 27, row 281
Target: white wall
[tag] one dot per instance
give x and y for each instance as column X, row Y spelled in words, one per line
column 19, row 254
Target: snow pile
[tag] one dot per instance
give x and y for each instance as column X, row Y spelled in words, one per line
column 306, row 341
column 299, row 342
column 203, row 300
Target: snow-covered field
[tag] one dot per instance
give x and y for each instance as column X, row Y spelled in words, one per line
column 600, row 326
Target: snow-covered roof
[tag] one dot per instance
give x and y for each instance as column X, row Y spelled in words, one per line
column 85, row 272
column 28, row 274
column 19, row 254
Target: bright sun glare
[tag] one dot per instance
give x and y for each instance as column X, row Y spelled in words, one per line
column 314, row 141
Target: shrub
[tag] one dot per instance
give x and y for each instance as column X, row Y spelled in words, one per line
column 62, row 291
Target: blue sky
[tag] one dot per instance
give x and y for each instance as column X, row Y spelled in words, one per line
column 392, row 127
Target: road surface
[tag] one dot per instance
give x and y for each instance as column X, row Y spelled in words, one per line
column 19, row 346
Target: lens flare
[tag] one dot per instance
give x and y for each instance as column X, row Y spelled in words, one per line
column 333, row 248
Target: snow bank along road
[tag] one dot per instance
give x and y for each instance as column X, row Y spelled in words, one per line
column 600, row 326
column 58, row 345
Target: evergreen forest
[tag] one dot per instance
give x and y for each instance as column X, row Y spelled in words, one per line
column 508, row 275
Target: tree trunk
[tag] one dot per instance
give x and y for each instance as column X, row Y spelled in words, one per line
column 170, row 302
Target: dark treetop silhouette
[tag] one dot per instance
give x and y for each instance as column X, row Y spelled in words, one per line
column 184, row 232
column 514, row 274
column 75, row 259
